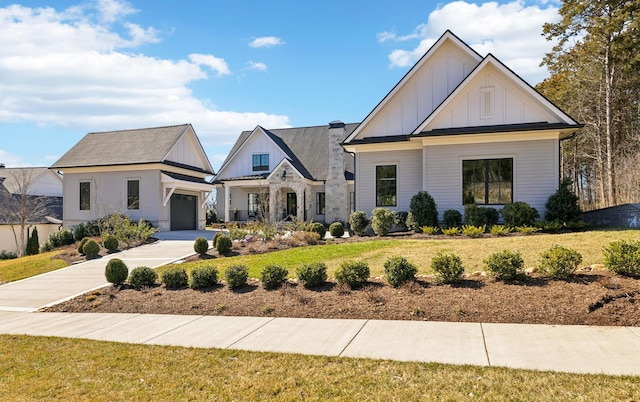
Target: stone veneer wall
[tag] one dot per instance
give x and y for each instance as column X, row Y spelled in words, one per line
column 336, row 192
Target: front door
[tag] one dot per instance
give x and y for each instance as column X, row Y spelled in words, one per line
column 292, row 206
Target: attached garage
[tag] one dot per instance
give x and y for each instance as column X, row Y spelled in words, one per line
column 184, row 212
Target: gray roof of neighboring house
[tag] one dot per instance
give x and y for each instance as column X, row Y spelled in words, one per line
column 307, row 146
column 124, row 147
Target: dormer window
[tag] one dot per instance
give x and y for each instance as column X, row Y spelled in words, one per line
column 260, row 162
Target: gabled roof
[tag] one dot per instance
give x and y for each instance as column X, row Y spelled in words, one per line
column 124, row 147
column 307, row 149
column 14, row 179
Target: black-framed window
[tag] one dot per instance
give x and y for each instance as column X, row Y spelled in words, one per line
column 386, row 180
column 85, row 195
column 320, row 203
column 487, row 181
column 133, row 194
column 260, row 162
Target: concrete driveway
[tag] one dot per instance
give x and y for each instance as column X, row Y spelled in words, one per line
column 185, row 235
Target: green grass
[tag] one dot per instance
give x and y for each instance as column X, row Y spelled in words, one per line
column 41, row 368
column 25, row 267
column 420, row 252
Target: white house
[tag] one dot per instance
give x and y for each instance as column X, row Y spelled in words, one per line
column 462, row 127
column 158, row 174
column 300, row 173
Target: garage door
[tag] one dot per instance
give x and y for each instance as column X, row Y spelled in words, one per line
column 183, row 212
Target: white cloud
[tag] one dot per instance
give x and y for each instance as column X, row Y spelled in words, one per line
column 215, row 63
column 10, row 160
column 75, row 69
column 266, row 41
column 510, row 31
column 256, row 65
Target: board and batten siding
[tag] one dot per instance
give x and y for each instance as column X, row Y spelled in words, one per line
column 109, row 195
column 184, row 152
column 242, row 163
column 535, row 171
column 408, row 171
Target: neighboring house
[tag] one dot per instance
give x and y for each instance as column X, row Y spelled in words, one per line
column 43, row 189
column 300, row 173
column 463, row 127
column 158, row 174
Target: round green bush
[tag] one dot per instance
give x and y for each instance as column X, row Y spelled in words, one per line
column 623, row 257
column 400, row 220
column 336, row 229
column 424, row 209
column 312, row 274
column 352, row 273
column 203, row 277
column 116, row 271
column 317, row 227
column 519, row 214
column 381, row 221
column 216, row 236
column 223, row 245
column 82, row 243
column 201, row 245
column 91, row 249
column 273, row 276
column 448, row 267
column 175, row 278
column 505, row 265
column 397, row 271
column 452, row 218
column 562, row 206
column 110, row 242
column 358, row 222
column 236, row 276
column 142, row 277
column 559, row 262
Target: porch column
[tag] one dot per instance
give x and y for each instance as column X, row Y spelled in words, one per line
column 300, row 204
column 273, row 210
column 227, row 205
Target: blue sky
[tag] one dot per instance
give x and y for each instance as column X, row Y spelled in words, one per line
column 68, row 67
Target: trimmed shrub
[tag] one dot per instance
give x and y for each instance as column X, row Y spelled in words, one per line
column 336, row 229
column 236, row 276
column 142, row 277
column 358, row 222
column 397, row 271
column 430, row 230
column 203, row 277
column 451, row 231
column 505, row 265
column 623, row 257
column 91, row 249
column 559, row 262
column 216, row 236
column 8, row 255
column 175, row 278
column 448, row 267
column 400, row 220
column 312, row 274
column 500, row 230
column 452, row 218
column 110, row 242
column 223, row 245
column 116, row 271
column 201, row 245
column 273, row 276
column 33, row 244
column 317, row 227
column 562, row 206
column 411, row 223
column 381, row 221
column 80, row 231
column 424, row 209
column 61, row 238
column 527, row 230
column 519, row 214
column 82, row 243
column 473, row 231
column 352, row 273
column 478, row 216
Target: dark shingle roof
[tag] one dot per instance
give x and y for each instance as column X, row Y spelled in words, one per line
column 308, row 148
column 124, row 147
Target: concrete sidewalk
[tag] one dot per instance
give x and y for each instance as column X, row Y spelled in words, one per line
column 56, row 286
column 574, row 349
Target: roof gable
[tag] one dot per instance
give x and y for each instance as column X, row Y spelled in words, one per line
column 436, row 75
column 138, row 146
column 34, row 180
column 493, row 95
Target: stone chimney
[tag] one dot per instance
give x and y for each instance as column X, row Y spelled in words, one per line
column 335, row 187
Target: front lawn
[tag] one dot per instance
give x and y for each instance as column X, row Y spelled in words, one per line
column 25, row 267
column 41, row 368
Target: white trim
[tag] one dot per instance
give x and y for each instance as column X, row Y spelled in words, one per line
column 171, row 184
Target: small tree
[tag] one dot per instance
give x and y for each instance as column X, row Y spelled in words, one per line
column 33, row 244
column 424, row 209
column 562, row 206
